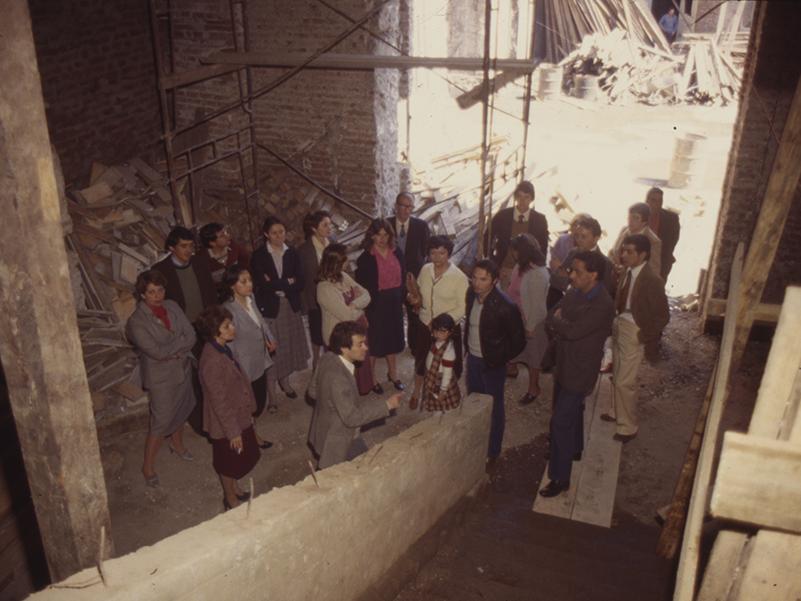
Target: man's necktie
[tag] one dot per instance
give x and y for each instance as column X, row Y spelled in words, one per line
column 403, row 231
column 623, row 293
column 521, row 219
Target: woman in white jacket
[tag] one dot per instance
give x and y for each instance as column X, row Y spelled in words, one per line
column 341, row 298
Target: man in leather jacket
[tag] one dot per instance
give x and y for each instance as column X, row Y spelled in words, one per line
column 493, row 334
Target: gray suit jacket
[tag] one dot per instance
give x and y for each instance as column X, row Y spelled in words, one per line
column 249, row 342
column 165, row 356
column 338, row 411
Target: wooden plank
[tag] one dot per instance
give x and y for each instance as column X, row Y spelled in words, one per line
column 772, row 573
column 595, row 499
column 759, row 482
column 773, row 213
column 766, row 313
column 365, row 62
column 780, row 370
column 591, row 497
column 729, row 556
column 691, row 544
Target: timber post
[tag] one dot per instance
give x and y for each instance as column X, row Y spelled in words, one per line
column 39, row 343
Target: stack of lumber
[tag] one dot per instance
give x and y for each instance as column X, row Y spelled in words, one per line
column 119, row 223
column 631, row 72
column 568, row 22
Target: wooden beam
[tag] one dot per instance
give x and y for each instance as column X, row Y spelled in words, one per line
column 759, row 482
column 364, row 62
column 772, row 572
column 781, row 188
column 763, row 313
column 39, row 344
column 781, row 370
column 728, row 558
column 691, row 544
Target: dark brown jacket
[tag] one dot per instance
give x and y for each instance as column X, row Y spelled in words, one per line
column 501, row 231
column 649, row 305
column 228, row 401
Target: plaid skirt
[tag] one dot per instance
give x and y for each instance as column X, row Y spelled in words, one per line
column 293, row 352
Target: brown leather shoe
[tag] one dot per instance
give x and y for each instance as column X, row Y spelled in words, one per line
column 413, row 403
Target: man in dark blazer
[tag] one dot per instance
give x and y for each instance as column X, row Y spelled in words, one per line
column 664, row 224
column 642, row 314
column 339, row 411
column 189, row 282
column 411, row 237
column 581, row 322
column 510, row 222
column 493, row 335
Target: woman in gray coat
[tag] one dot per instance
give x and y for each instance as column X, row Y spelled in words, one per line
column 163, row 338
column 254, row 341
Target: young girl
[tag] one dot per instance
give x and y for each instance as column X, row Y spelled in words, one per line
column 443, row 368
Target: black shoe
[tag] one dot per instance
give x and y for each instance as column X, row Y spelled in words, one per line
column 378, row 389
column 398, row 385
column 554, row 488
column 527, row 399
column 244, row 496
column 265, row 444
column 624, row 438
column 290, row 394
column 226, row 504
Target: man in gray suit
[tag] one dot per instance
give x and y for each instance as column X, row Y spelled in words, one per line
column 338, row 410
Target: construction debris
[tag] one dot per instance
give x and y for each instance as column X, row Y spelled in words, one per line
column 627, row 71
column 568, row 22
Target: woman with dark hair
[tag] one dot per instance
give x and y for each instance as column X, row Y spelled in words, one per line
column 380, row 270
column 441, row 288
column 163, row 338
column 228, row 404
column 528, row 288
column 342, row 299
column 254, row 341
column 317, row 230
column 277, row 282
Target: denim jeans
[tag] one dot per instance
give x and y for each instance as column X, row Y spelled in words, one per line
column 489, row 380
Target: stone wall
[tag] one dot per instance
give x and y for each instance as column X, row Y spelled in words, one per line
column 98, row 80
column 772, row 72
column 334, row 542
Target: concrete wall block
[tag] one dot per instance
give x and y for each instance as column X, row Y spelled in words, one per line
column 302, row 542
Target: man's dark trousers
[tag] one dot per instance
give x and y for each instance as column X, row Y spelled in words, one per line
column 489, row 380
column 567, row 432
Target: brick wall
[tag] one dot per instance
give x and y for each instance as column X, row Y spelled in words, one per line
column 772, row 71
column 98, row 80
column 341, row 127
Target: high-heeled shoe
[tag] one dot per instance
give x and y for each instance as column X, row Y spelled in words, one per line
column 186, row 455
column 152, row 481
column 244, row 496
column 288, row 392
column 265, row 444
column 226, row 504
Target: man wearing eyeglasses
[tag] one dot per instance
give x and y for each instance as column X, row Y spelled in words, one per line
column 411, row 236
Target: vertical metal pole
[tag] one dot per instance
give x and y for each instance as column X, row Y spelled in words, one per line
column 521, row 171
column 247, row 108
column 167, row 131
column 484, row 117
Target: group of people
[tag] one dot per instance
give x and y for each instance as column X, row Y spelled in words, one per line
column 223, row 331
